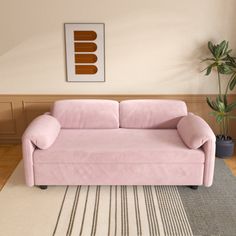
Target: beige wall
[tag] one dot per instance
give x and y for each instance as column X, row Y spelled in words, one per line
column 152, row 46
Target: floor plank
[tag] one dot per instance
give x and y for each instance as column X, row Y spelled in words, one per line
column 10, row 155
column 231, row 163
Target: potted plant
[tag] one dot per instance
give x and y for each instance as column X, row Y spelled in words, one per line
column 222, row 63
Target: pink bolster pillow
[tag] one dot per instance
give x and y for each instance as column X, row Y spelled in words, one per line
column 42, row 131
column 194, row 131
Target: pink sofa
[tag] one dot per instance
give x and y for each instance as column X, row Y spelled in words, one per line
column 104, row 142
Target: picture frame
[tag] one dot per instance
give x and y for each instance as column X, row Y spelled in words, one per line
column 85, row 52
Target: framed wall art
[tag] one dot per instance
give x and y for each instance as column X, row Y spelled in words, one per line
column 85, row 52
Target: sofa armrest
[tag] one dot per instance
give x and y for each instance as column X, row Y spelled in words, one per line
column 27, row 151
column 209, row 150
column 194, row 131
column 41, row 133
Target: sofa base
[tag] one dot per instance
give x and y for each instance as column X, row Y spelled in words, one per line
column 43, row 187
column 119, row 174
column 195, row 187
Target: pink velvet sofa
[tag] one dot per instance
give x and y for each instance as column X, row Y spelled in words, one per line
column 104, row 142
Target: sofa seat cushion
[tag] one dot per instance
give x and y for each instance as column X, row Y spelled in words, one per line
column 118, row 146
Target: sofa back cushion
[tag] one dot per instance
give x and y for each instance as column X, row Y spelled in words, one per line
column 151, row 114
column 87, row 114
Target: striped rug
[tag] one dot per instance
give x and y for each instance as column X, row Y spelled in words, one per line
column 117, row 211
column 122, row 210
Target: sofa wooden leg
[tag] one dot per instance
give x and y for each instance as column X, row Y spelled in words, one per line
column 195, row 187
column 43, row 187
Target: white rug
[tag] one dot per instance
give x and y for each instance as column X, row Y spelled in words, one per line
column 94, row 210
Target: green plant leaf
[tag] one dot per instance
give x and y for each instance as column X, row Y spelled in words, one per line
column 210, row 46
column 220, row 69
column 214, row 113
column 232, row 83
column 219, row 118
column 208, row 59
column 211, row 105
column 228, row 63
column 225, row 100
column 229, row 58
column 221, row 106
column 229, row 51
column 225, row 58
column 218, row 99
column 226, row 48
column 209, row 68
column 222, row 47
column 214, row 104
column 225, row 69
column 231, row 107
column 217, row 51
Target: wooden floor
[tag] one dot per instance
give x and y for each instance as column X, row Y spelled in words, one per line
column 10, row 155
column 231, row 163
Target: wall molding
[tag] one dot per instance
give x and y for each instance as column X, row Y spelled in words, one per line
column 8, row 125
column 24, row 108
